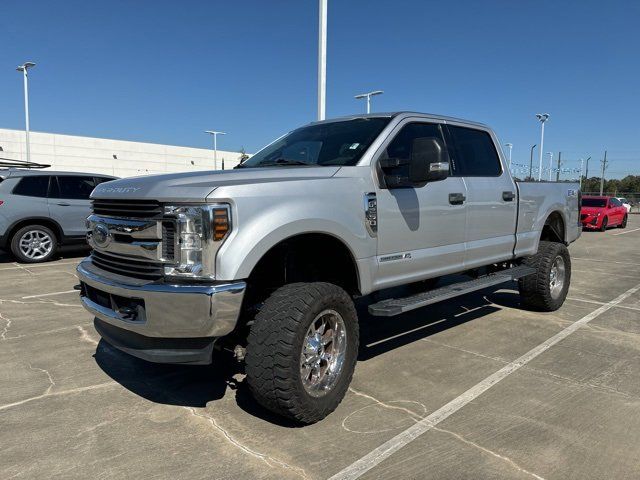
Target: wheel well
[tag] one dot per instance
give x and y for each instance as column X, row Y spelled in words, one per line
column 309, row 257
column 553, row 230
column 46, row 222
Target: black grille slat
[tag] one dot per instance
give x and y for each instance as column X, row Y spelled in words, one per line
column 127, row 208
column 147, row 270
column 168, row 240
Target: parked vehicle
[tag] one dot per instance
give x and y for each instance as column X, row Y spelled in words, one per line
column 625, row 203
column 600, row 213
column 41, row 210
column 265, row 260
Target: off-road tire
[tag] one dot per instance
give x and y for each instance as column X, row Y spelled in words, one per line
column 15, row 244
column 274, row 350
column 535, row 291
column 623, row 224
column 605, row 222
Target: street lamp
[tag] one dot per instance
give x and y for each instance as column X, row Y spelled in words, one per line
column 23, row 68
column 542, row 117
column 215, row 146
column 531, row 163
column 510, row 147
column 550, row 163
column 368, row 96
column 322, row 58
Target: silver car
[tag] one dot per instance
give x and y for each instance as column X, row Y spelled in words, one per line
column 41, row 210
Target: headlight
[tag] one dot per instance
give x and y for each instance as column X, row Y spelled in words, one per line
column 200, row 231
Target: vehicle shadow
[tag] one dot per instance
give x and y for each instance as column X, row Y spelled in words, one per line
column 197, row 386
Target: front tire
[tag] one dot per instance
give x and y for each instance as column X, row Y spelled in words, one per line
column 605, row 221
column 34, row 244
column 546, row 289
column 302, row 350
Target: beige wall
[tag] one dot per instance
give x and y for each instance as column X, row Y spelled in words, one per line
column 96, row 155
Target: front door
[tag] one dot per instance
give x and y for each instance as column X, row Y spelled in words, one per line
column 69, row 203
column 420, row 230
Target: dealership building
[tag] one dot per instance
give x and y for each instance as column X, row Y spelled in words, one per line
column 113, row 157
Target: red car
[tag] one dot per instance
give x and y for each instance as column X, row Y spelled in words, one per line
column 598, row 213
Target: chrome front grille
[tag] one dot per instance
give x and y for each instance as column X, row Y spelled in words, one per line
column 127, row 208
column 128, row 266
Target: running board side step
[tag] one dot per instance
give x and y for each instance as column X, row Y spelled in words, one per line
column 396, row 306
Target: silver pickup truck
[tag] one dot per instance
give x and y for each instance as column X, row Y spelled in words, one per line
column 265, row 260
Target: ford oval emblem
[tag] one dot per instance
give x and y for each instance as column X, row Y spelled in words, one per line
column 101, row 235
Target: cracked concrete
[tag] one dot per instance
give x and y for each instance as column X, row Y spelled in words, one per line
column 73, row 407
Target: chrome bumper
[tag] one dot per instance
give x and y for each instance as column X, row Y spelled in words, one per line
column 161, row 310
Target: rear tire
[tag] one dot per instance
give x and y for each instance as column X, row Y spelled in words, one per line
column 296, row 367
column 546, row 289
column 34, row 244
column 605, row 221
column 624, row 222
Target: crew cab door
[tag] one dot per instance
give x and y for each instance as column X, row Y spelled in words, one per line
column 491, row 204
column 69, row 203
column 421, row 229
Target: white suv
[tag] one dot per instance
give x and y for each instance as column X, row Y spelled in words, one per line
column 40, row 210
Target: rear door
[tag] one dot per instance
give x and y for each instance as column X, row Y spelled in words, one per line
column 69, row 202
column 491, row 203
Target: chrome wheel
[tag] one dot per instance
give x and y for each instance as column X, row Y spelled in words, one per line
column 323, row 353
column 557, row 277
column 35, row 244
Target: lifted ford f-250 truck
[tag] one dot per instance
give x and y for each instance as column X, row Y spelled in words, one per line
column 268, row 258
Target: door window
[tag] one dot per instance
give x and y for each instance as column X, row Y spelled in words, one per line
column 474, row 154
column 74, row 187
column 400, row 146
column 32, row 186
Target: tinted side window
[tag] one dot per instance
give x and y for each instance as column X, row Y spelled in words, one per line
column 100, row 180
column 615, row 202
column 35, row 186
column 475, row 155
column 400, row 147
column 74, row 187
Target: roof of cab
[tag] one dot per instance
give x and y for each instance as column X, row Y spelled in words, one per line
column 403, row 114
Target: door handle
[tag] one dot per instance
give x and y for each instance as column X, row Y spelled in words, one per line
column 456, row 198
column 63, row 204
column 508, row 196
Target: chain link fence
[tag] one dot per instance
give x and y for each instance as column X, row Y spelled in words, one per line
column 633, row 198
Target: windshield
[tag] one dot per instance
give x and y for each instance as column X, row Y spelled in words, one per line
column 336, row 143
column 594, row 202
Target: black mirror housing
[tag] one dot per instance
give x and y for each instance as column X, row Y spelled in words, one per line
column 428, row 162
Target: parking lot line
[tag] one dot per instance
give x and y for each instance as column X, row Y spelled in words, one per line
column 626, row 231
column 384, row 451
column 595, row 302
column 39, row 265
column 604, row 261
column 48, row 294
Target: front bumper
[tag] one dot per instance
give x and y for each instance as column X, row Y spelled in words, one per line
column 166, row 323
column 591, row 221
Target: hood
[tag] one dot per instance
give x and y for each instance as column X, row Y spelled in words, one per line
column 196, row 186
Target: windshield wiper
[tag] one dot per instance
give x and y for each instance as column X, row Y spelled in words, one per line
column 285, row 162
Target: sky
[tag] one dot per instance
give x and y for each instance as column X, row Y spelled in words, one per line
column 165, row 71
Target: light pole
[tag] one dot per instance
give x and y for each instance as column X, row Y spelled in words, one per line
column 531, row 162
column 510, row 147
column 550, row 163
column 542, row 117
column 23, row 68
column 581, row 165
column 215, row 146
column 368, row 96
column 322, row 58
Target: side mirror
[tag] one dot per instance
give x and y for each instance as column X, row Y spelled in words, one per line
column 428, row 161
